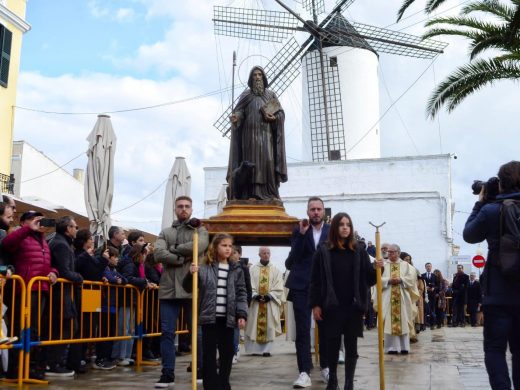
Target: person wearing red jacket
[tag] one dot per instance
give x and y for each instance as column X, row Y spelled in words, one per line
column 30, row 255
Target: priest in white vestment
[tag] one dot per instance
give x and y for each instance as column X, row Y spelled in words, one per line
column 263, row 324
column 400, row 293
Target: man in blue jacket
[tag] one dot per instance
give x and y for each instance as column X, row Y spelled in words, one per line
column 305, row 239
column 501, row 296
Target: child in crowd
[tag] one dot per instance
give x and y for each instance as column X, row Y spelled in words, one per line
column 222, row 305
column 108, row 310
column 132, row 268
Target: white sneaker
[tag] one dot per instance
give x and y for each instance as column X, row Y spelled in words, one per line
column 304, row 380
column 325, row 375
column 341, row 358
column 235, row 359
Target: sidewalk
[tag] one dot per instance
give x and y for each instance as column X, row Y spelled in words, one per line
column 445, row 359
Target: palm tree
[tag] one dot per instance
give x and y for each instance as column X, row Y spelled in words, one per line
column 501, row 32
column 431, row 5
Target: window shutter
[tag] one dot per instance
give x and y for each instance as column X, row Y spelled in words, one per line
column 6, row 37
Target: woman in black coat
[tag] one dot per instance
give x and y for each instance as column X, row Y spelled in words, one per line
column 341, row 276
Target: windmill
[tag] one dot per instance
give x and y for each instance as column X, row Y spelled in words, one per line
column 338, row 61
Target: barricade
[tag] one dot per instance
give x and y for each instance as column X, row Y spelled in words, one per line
column 12, row 330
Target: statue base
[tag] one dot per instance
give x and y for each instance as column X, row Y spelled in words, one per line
column 254, row 222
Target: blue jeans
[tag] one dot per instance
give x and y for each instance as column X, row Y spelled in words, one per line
column 501, row 324
column 122, row 349
column 169, row 310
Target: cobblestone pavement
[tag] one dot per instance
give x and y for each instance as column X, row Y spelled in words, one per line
column 447, row 358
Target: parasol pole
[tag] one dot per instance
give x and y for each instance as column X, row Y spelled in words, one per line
column 194, row 311
column 379, row 288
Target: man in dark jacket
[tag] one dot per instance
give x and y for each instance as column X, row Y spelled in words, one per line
column 501, row 296
column 432, row 289
column 460, row 295
column 64, row 307
column 305, row 239
column 474, row 298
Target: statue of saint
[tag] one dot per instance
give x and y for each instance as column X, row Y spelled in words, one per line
column 257, row 163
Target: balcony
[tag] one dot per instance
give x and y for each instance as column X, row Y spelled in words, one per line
column 6, row 184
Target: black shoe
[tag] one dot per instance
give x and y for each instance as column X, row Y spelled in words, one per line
column 404, row 352
column 392, row 352
column 439, row 326
column 104, row 364
column 266, row 354
column 165, row 381
column 59, row 371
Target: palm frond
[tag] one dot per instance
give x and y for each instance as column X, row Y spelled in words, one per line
column 483, row 42
column 468, row 22
column 467, row 79
column 432, row 5
column 514, row 26
column 435, row 32
column 404, row 7
column 496, row 8
column 515, row 56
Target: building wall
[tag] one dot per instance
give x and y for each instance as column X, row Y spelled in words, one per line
column 58, row 187
column 12, row 14
column 411, row 194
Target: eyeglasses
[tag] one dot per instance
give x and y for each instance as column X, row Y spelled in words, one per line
column 392, row 251
column 74, row 226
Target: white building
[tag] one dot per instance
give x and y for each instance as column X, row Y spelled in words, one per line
column 38, row 178
column 411, row 194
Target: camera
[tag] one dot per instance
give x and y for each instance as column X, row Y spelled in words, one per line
column 490, row 188
column 47, row 222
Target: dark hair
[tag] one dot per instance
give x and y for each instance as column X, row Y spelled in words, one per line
column 509, row 176
column 438, row 271
column 183, row 197
column 238, row 248
column 112, row 231
column 2, row 208
column 6, row 199
column 211, row 256
column 135, row 253
column 315, row 199
column 133, row 236
column 149, row 259
column 334, row 239
column 403, row 256
column 112, row 252
column 82, row 236
column 63, row 223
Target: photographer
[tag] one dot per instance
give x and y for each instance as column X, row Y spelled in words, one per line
column 501, row 296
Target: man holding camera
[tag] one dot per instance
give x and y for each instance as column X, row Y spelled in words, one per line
column 304, row 241
column 174, row 249
column 501, row 294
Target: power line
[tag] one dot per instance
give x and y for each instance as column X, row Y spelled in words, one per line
column 143, row 198
column 54, row 170
column 128, row 109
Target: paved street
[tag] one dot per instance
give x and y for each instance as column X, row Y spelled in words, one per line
column 447, row 358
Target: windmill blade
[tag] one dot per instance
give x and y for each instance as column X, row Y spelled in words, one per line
column 314, row 6
column 263, row 25
column 327, row 144
column 283, row 68
column 395, row 42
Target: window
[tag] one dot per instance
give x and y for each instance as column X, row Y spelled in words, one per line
column 333, row 62
column 5, row 54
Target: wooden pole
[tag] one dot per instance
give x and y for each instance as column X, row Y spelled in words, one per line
column 379, row 287
column 194, row 311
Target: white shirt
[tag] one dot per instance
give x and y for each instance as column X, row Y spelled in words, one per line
column 316, row 234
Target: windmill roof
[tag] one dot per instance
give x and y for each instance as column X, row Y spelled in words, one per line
column 342, row 33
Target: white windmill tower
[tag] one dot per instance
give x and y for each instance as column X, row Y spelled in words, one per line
column 339, row 62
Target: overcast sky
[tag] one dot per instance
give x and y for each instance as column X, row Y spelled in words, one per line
column 97, row 56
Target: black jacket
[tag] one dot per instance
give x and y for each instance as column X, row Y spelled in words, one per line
column 321, row 287
column 90, row 267
column 432, row 282
column 474, row 293
column 63, row 259
column 484, row 224
column 299, row 261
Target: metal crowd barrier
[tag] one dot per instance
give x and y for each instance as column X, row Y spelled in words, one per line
column 12, row 298
column 93, row 316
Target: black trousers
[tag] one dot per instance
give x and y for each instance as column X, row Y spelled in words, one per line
column 107, row 329
column 501, row 324
column 215, row 336
column 302, row 319
column 472, row 311
column 324, row 355
column 458, row 310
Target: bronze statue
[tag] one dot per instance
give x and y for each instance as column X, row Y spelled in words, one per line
column 257, row 163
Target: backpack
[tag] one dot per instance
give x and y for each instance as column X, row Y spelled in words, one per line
column 509, row 247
